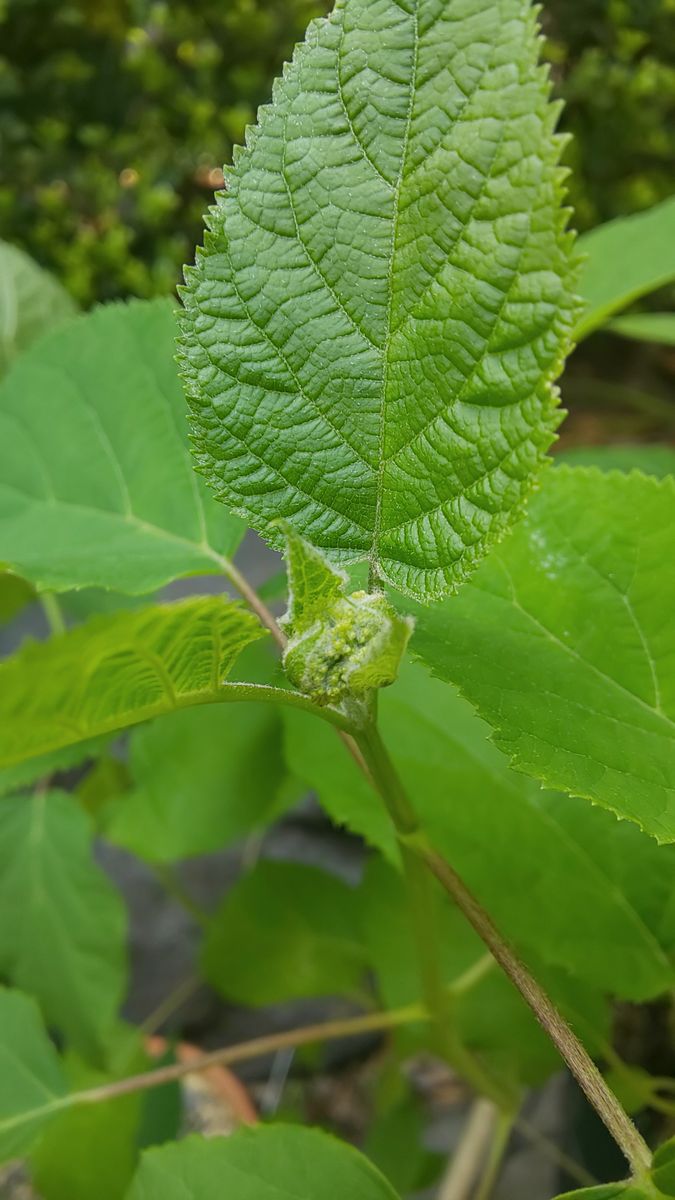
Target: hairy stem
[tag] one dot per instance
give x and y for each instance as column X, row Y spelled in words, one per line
column 568, row 1045
column 258, row 606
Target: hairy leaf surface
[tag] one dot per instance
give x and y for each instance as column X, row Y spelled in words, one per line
column 32, row 1084
column 383, row 299
column 117, row 671
column 31, row 302
column 96, row 482
column 525, row 855
column 565, row 643
column 277, row 1162
column 62, row 923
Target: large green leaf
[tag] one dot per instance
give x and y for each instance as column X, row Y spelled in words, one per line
column 276, row 1162
column 202, row 778
column 62, row 924
column 523, row 853
column 96, row 482
column 117, row 671
column 284, row 931
column 32, row 1084
column 384, row 298
column 565, row 643
column 31, row 302
column 626, row 258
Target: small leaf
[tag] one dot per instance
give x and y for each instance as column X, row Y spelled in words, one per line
column 117, row 671
column 266, row 1163
column 31, row 302
column 565, row 643
column 646, row 327
column 62, row 923
column 340, row 644
column 32, row 1084
column 284, row 931
column 384, row 297
column 626, row 259
column 96, row 483
column 538, row 860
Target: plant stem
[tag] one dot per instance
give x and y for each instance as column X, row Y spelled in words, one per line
column 470, row 1153
column 255, row 603
column 424, row 921
column 173, row 886
column 256, row 1048
column 53, row 613
column 568, row 1045
column 498, row 1148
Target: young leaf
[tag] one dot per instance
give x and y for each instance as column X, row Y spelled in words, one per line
column 97, row 486
column 565, row 643
column 31, row 302
column 517, row 849
column 202, row 778
column 626, row 258
column 340, row 644
column 32, row 1084
column 117, row 671
column 284, row 931
column 383, row 299
column 266, row 1163
column 62, row 924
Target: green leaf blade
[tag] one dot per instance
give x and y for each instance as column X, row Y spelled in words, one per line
column 116, row 671
column 97, row 487
column 266, row 1163
column 31, row 302
column 565, row 643
column 62, row 924
column 385, row 287
column 626, row 259
column 32, row 1084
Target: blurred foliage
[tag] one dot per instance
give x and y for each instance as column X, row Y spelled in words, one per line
column 614, row 65
column 116, row 116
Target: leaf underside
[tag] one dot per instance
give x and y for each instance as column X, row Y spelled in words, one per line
column 117, row 671
column 383, row 299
